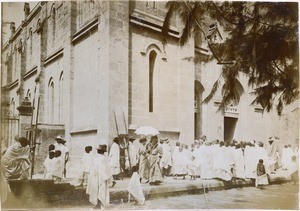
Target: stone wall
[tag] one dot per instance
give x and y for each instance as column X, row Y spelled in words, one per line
column 30, row 194
column 46, row 135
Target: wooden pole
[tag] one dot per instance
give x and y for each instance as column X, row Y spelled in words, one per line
column 35, row 136
column 127, row 141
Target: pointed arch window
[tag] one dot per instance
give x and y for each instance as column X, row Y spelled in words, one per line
column 53, row 24
column 60, row 98
column 152, row 58
column 51, row 100
column 28, row 95
column 30, row 41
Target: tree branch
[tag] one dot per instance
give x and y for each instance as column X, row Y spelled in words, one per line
column 222, row 14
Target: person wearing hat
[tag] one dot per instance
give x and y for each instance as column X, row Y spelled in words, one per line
column 114, row 158
column 61, row 146
column 99, row 178
column 143, row 160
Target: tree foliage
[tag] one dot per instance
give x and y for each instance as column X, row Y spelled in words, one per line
column 261, row 42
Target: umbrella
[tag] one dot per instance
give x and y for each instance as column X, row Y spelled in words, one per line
column 146, row 130
column 272, row 139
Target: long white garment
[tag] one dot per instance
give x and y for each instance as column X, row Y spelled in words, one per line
column 239, row 164
column 166, row 159
column 133, row 154
column 222, row 163
column 198, row 152
column 114, row 159
column 193, row 169
column 174, row 154
column 97, row 186
column 215, row 159
column 206, row 164
column 286, row 157
column 135, row 188
column 250, row 162
column 49, row 164
column 58, row 167
column 179, row 163
column 86, row 162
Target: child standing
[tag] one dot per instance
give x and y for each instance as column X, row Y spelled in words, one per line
column 261, row 178
column 193, row 168
column 58, row 166
column 86, row 162
column 49, row 165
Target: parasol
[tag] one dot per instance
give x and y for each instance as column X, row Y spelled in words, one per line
column 146, row 130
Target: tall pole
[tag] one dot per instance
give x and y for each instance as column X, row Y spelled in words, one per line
column 117, row 128
column 35, row 136
column 127, row 140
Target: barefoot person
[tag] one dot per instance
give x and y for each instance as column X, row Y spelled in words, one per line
column 99, row 177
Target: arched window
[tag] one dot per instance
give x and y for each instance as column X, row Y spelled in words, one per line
column 30, row 41
column 15, row 63
column 51, row 100
column 28, row 95
column 152, row 58
column 53, row 24
column 60, row 103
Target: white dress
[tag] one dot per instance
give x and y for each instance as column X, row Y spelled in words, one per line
column 114, row 159
column 97, row 187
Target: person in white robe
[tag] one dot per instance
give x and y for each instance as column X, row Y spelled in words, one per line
column 133, row 152
column 174, row 154
column 166, row 160
column 239, row 163
column 198, row 153
column 15, row 162
column 48, row 164
column 61, row 146
column 292, row 170
column 180, row 163
column 286, row 157
column 135, row 188
column 193, row 168
column 86, row 162
column 58, row 166
column 222, row 163
column 99, row 178
column 114, row 158
column 206, row 164
column 250, row 161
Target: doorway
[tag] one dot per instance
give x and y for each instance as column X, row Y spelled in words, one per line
column 229, row 128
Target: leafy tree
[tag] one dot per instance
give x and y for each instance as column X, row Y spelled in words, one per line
column 261, row 41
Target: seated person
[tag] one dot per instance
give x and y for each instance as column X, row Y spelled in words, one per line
column 15, row 162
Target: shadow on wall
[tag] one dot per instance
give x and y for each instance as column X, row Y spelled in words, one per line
column 46, row 137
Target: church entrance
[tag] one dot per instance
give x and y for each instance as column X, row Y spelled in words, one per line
column 229, row 128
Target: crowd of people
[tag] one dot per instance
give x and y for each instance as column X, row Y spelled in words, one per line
column 152, row 160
